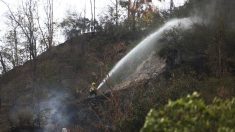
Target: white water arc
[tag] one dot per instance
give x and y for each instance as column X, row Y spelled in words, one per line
column 143, row 50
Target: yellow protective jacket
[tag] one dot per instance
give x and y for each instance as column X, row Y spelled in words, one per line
column 93, row 88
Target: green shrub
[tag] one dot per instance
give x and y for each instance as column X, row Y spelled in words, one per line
column 192, row 114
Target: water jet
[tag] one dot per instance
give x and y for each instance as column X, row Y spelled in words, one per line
column 129, row 63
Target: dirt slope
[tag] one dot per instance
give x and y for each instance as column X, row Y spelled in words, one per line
column 63, row 76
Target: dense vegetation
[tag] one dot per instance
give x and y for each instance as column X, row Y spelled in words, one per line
column 199, row 59
column 192, row 114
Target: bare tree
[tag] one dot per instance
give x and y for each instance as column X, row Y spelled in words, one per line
column 50, row 22
column 172, row 5
column 94, row 12
column 28, row 26
column 4, row 70
column 15, row 47
column 12, row 41
column 116, row 5
column 128, row 9
column 91, row 13
column 26, row 22
column 48, row 35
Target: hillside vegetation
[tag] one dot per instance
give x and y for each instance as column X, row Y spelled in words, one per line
column 192, row 114
column 50, row 92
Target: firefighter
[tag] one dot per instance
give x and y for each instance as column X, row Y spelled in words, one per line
column 93, row 90
column 65, row 130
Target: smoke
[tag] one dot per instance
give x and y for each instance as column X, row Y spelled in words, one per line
column 209, row 11
column 50, row 113
column 54, row 111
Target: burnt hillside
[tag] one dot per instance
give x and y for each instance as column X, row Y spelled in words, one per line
column 66, row 69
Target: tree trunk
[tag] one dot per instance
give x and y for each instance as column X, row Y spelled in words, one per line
column 91, row 15
column 16, row 48
column 116, row 12
column 50, row 23
column 172, row 6
column 128, row 9
column 3, row 64
column 94, row 14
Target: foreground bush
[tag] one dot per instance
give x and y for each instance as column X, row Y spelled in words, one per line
column 192, row 114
